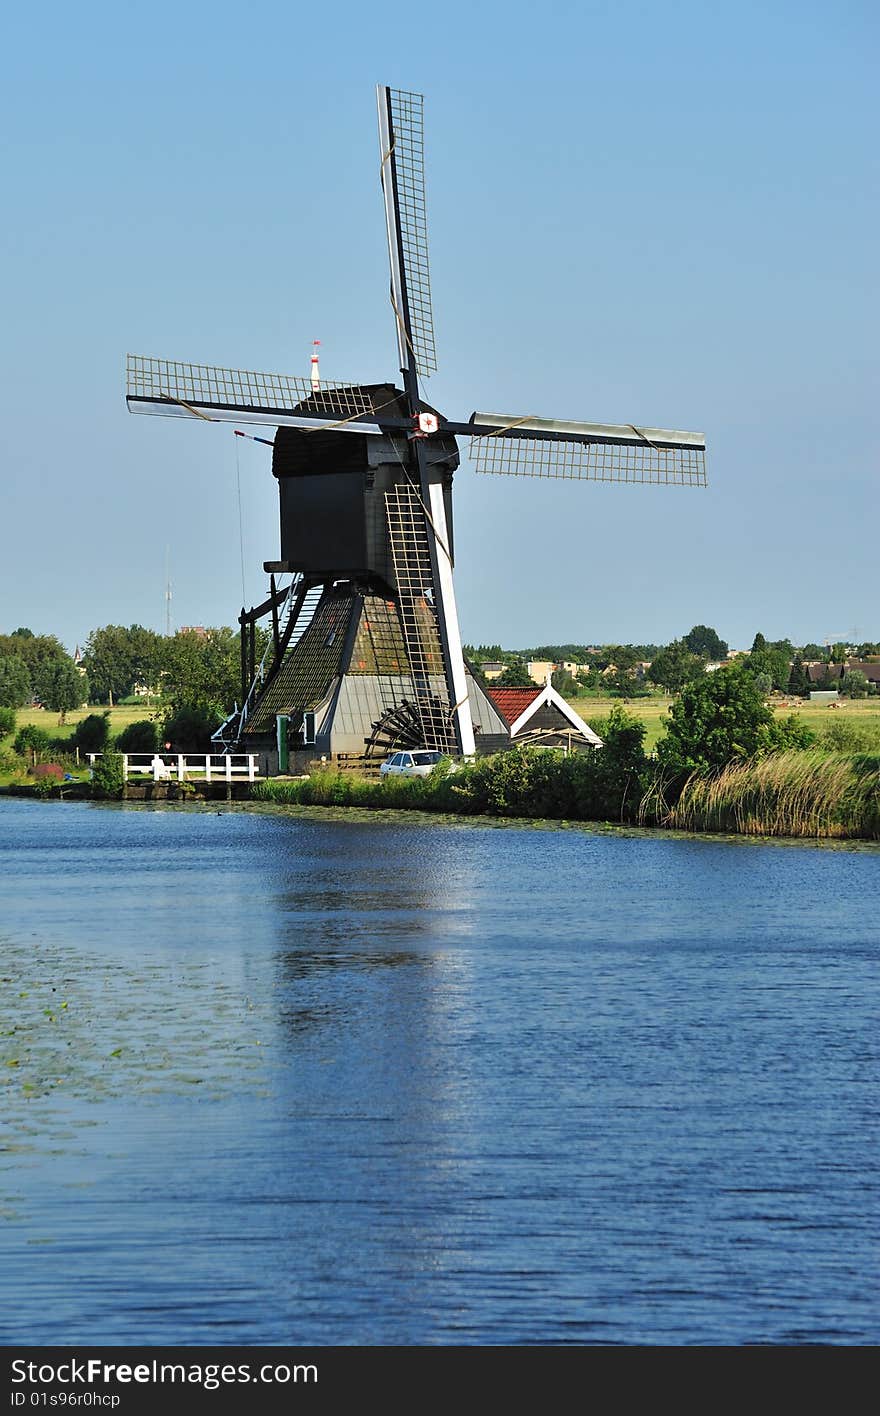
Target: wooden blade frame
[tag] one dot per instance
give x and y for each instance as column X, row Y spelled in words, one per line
column 403, row 186
column 178, row 390
column 594, row 452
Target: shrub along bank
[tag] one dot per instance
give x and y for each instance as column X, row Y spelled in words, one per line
column 806, row 794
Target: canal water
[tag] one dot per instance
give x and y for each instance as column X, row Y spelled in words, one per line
column 274, row 1077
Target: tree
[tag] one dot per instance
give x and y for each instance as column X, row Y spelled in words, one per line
column 854, row 684
column 32, row 740
column 142, row 736
column 589, row 677
column 626, row 683
column 721, row 717
column 704, row 641
column 62, row 687
column 675, row 666
column 618, row 768
column 117, row 658
column 516, row 675
column 91, row 734
column 40, row 654
column 798, row 680
column 774, row 660
column 485, row 654
column 813, row 652
column 7, row 721
column 565, row 683
column 15, row 682
column 201, row 676
column 189, row 729
column 108, row 777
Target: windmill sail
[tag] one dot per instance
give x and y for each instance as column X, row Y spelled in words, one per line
column 401, row 143
column 593, row 452
column 178, row 390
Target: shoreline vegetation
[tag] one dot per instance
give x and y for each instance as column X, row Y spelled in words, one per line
column 806, row 795
column 810, row 794
column 726, row 762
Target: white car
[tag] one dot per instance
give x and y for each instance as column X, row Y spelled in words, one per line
column 411, row 764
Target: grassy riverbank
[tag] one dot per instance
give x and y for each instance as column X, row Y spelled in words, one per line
column 811, row 794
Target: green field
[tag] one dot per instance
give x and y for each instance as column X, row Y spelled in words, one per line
column 652, row 712
column 119, row 717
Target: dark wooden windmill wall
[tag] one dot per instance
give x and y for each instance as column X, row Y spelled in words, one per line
column 332, row 505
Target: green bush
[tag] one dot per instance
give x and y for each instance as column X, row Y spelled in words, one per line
column 7, row 721
column 723, row 718
column 11, row 765
column 839, row 735
column 142, row 736
column 107, row 778
column 190, row 729
column 31, row 740
column 92, row 733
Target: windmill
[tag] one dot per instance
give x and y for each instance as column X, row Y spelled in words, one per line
column 366, row 652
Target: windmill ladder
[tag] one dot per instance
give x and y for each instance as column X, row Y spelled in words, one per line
column 411, row 556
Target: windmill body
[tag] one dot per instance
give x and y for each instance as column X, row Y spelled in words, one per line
column 366, row 651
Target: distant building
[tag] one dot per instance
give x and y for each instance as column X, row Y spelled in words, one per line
column 492, row 671
column 538, row 669
column 820, row 673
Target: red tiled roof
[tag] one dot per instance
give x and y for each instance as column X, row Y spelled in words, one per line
column 510, row 702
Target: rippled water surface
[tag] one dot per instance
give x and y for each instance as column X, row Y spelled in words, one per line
column 273, row 1078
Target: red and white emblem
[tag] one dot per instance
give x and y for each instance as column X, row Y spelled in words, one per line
column 427, row 423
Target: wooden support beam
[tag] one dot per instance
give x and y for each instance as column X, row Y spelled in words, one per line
column 273, row 596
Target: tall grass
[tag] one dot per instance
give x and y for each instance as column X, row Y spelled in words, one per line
column 812, row 793
column 332, row 788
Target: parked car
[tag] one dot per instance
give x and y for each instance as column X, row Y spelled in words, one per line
column 417, row 763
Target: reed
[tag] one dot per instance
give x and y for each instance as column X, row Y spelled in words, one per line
column 808, row 794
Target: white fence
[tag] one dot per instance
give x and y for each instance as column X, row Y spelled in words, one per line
column 187, row 766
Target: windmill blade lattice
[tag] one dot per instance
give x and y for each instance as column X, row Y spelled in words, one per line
column 589, row 462
column 407, row 152
column 588, row 452
column 170, row 387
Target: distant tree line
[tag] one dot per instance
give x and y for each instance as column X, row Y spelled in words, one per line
column 191, row 679
column 632, row 670
column 38, row 667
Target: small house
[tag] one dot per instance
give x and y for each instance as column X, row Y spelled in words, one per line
column 540, row 717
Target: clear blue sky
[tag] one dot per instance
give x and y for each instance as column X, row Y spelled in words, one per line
column 660, row 213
